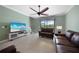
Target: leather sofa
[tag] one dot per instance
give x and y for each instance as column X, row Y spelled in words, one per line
column 68, row 43
column 46, row 32
column 9, row 49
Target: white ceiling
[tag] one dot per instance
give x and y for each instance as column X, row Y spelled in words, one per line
column 53, row 9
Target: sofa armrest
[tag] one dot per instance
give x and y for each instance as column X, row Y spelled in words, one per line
column 9, row 49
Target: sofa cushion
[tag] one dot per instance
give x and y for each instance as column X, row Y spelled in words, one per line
column 61, row 40
column 47, row 30
column 66, row 49
column 75, row 39
column 69, row 34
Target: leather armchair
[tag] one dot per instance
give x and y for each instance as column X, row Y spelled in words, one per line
column 9, row 49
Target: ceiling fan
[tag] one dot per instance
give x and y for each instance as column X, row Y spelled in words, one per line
column 40, row 12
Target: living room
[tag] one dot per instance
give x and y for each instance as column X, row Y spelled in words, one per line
column 64, row 19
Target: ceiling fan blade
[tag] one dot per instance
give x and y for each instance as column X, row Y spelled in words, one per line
column 45, row 14
column 33, row 9
column 44, row 10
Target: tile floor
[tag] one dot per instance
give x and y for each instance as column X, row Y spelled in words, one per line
column 32, row 43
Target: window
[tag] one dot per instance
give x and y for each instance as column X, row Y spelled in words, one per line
column 47, row 23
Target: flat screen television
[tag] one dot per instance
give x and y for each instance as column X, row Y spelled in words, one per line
column 15, row 26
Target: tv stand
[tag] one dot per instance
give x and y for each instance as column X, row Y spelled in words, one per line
column 14, row 35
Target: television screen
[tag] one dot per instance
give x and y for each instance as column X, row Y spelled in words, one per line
column 17, row 27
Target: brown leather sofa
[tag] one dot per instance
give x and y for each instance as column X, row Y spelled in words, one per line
column 9, row 49
column 46, row 32
column 68, row 43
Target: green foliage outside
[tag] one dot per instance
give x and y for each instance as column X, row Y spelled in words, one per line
column 47, row 26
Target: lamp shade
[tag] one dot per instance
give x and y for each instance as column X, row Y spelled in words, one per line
column 59, row 27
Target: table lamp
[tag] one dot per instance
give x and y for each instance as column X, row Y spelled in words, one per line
column 59, row 28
